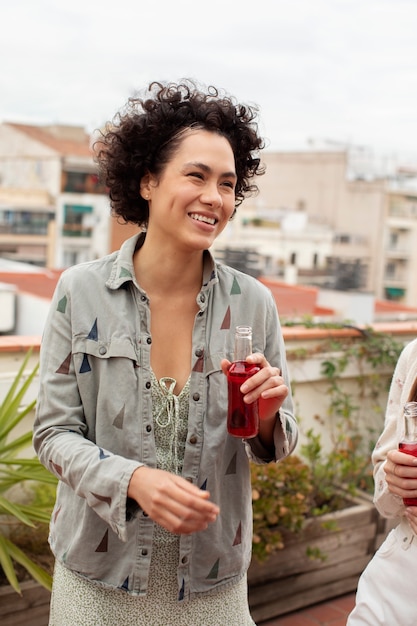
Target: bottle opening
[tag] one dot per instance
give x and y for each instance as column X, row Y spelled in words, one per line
column 245, row 330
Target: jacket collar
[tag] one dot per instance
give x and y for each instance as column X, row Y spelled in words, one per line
column 123, row 271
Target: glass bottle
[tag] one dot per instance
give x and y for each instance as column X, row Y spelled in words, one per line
column 242, row 418
column 408, row 444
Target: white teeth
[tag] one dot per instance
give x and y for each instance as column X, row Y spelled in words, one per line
column 202, row 218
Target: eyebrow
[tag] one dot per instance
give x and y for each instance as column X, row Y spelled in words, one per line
column 208, row 169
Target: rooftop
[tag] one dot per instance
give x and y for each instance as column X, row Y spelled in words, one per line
column 66, row 140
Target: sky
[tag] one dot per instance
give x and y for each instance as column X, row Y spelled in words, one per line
column 329, row 73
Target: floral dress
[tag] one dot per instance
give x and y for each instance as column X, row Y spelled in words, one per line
column 77, row 601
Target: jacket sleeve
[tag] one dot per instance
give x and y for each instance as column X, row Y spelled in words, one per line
column 388, row 504
column 60, row 436
column 286, row 429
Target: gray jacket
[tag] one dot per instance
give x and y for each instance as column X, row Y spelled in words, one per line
column 94, row 425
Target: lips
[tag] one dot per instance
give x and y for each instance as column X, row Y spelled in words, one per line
column 203, row 218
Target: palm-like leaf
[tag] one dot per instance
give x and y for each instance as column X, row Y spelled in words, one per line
column 16, row 469
column 9, row 552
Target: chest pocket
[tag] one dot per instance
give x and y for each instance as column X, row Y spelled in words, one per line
column 86, row 352
column 213, row 362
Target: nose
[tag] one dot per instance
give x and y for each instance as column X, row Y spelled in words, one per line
column 212, row 196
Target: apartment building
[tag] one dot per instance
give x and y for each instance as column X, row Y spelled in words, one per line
column 319, row 219
column 400, row 244
column 330, row 227
column 53, row 210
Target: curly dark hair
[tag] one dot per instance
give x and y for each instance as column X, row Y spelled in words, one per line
column 143, row 137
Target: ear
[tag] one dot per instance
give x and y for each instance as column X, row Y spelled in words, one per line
column 145, row 187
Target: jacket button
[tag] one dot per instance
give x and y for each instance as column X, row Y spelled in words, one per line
column 193, row 439
column 184, row 559
column 143, row 298
column 102, row 350
column 199, row 352
column 149, row 340
column 148, row 385
column 202, row 298
column 196, row 397
column 144, row 552
column 148, row 428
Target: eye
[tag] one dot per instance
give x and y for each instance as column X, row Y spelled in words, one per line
column 229, row 184
column 198, row 175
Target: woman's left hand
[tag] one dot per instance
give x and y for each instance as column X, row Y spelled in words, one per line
column 267, row 386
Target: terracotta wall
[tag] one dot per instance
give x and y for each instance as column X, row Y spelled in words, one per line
column 119, row 233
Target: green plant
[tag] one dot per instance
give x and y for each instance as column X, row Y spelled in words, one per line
column 16, row 470
column 284, row 496
column 316, row 481
column 280, row 500
column 356, row 416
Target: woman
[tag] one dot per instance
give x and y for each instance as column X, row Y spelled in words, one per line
column 386, row 589
column 153, row 519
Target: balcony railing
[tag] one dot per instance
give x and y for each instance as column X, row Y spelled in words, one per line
column 24, row 229
column 76, row 230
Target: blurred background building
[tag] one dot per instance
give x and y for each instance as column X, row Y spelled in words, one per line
column 332, row 233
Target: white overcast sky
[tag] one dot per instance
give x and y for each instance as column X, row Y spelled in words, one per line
column 338, row 70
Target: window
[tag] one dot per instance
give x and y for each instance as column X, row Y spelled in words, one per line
column 78, row 220
column 82, row 182
column 23, row 222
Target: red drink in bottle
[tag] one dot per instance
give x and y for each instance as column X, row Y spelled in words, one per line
column 242, row 418
column 409, row 448
column 408, row 444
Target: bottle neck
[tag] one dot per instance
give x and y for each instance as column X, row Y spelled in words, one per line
column 410, row 421
column 243, row 343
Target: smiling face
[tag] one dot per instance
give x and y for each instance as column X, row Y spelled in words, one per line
column 193, row 199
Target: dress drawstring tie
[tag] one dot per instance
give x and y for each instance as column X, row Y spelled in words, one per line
column 170, row 407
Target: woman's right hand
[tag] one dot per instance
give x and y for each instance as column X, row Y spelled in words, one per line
column 171, row 500
column 401, row 474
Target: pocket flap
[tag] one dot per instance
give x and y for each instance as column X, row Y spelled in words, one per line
column 114, row 347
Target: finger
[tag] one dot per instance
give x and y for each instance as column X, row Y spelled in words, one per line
column 258, row 358
column 412, row 512
column 183, row 513
column 225, row 365
column 180, row 524
column 186, row 500
column 277, row 389
column 405, row 487
column 269, row 386
column 180, row 520
column 262, row 377
column 401, row 458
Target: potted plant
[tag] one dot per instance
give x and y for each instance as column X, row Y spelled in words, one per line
column 26, row 499
column 315, row 526
column 312, row 538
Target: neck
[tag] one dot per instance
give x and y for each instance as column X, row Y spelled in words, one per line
column 160, row 270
